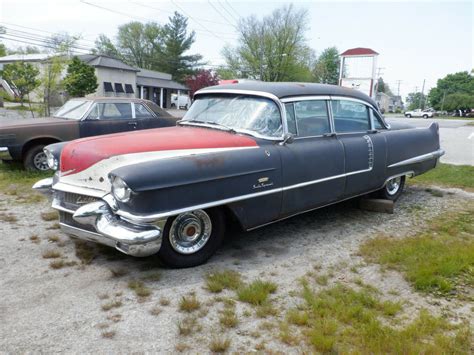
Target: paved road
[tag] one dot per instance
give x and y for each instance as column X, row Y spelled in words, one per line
column 457, row 138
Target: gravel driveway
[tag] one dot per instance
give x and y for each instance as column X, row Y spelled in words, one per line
column 61, row 310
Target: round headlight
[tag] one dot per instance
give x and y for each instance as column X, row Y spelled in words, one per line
column 53, row 163
column 120, row 190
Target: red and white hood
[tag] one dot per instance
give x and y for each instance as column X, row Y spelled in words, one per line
column 87, row 162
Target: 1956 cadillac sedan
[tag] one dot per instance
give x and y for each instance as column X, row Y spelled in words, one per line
column 252, row 152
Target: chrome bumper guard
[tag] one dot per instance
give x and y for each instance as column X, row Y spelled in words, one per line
column 45, row 186
column 131, row 239
column 5, row 154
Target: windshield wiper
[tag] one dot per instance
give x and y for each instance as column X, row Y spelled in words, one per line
column 212, row 123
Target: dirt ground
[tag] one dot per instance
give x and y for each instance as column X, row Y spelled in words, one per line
column 61, row 310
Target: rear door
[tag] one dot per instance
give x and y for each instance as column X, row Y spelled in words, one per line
column 313, row 164
column 108, row 117
column 146, row 118
column 364, row 146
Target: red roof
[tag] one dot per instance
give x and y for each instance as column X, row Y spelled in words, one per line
column 359, row 51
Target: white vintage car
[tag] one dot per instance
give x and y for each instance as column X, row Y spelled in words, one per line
column 419, row 113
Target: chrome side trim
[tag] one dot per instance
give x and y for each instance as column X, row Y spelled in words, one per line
column 153, row 217
column 89, row 191
column 5, row 154
column 420, row 158
column 305, row 98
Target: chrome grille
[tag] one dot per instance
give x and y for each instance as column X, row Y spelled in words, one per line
column 72, row 201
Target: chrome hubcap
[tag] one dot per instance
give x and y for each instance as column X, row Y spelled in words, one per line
column 190, row 232
column 40, row 161
column 393, row 185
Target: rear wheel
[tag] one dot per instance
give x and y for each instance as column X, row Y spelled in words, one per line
column 425, row 116
column 191, row 238
column 408, row 115
column 392, row 189
column 35, row 159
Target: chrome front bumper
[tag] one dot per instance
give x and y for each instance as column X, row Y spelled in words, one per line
column 5, row 154
column 95, row 221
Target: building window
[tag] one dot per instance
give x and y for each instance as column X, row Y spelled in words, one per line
column 129, row 89
column 118, row 87
column 108, row 87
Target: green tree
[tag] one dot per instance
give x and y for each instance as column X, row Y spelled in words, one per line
column 458, row 102
column 80, row 79
column 272, row 49
column 103, row 45
column 415, row 100
column 177, row 41
column 3, row 50
column 326, row 68
column 23, row 76
column 382, row 86
column 457, row 83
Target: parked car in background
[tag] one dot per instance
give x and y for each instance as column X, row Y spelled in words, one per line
column 420, row 113
column 181, row 101
column 253, row 153
column 24, row 140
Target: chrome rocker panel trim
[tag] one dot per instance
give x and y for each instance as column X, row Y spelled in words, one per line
column 5, row 154
column 131, row 239
column 420, row 158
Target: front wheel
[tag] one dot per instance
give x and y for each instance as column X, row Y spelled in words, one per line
column 408, row 116
column 392, row 189
column 191, row 238
column 425, row 116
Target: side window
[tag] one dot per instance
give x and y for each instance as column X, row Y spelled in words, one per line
column 114, row 111
column 290, row 118
column 94, row 114
column 377, row 120
column 312, row 118
column 350, row 116
column 142, row 112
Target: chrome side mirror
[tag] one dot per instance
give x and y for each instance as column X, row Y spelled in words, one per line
column 288, row 138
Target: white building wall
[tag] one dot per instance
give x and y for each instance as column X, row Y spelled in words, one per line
column 114, row 76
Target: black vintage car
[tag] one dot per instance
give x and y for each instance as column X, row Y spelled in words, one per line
column 24, row 139
column 255, row 153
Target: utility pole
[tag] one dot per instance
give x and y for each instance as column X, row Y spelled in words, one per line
column 379, row 73
column 422, row 101
column 398, row 89
column 261, row 54
column 442, row 101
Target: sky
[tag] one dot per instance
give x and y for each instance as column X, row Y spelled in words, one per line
column 416, row 40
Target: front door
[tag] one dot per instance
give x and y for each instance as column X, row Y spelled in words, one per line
column 313, row 164
column 364, row 147
column 108, row 117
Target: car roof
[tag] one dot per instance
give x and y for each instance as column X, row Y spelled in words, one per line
column 111, row 98
column 284, row 89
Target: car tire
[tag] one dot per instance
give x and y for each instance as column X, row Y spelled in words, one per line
column 35, row 159
column 408, row 116
column 425, row 116
column 174, row 252
column 392, row 189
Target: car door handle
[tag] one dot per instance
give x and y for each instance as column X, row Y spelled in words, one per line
column 132, row 123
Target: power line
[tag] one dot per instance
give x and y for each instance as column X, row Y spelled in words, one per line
column 225, row 9
column 220, row 13
column 233, row 9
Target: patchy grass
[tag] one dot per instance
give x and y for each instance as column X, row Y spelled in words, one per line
column 35, row 239
column 112, row 304
column 8, row 217
column 256, row 293
column 227, row 279
column 139, row 287
column 54, row 238
column 188, row 326
column 189, row 303
column 342, row 320
column 85, row 252
column 155, row 311
column 437, row 260
column 109, row 334
column 219, row 345
column 51, row 254
column 61, row 263
column 461, row 176
column 266, row 309
column 54, row 226
column 152, row 276
column 49, row 216
column 435, row 193
column 228, row 318
column 16, row 181
column 118, row 272
column 164, row 301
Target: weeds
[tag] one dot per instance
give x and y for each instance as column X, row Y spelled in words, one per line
column 139, row 287
column 189, row 303
column 256, row 293
column 227, row 279
column 164, row 301
column 155, row 311
column 85, row 252
column 436, row 260
column 118, row 272
column 60, row 263
column 52, row 254
column 49, row 216
column 112, row 304
column 228, row 318
column 218, row 345
column 8, row 217
column 109, row 335
column 188, row 325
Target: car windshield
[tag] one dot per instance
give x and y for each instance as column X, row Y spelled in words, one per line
column 240, row 113
column 73, row 109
